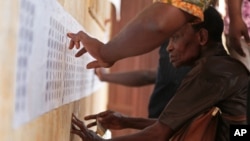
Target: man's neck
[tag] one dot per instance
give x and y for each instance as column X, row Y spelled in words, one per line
column 213, row 48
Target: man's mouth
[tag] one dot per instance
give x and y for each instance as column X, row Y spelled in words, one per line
column 171, row 58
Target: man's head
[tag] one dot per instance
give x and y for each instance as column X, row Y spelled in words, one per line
column 187, row 44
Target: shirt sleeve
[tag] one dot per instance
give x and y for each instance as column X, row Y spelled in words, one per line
column 193, row 7
column 199, row 91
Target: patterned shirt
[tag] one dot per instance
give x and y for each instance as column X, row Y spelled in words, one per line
column 193, row 7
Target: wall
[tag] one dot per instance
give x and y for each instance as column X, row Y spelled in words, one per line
column 131, row 101
column 55, row 124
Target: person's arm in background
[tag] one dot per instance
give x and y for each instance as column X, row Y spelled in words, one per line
column 114, row 120
column 131, row 78
column 237, row 27
column 144, row 33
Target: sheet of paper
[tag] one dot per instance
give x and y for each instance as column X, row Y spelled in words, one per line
column 47, row 73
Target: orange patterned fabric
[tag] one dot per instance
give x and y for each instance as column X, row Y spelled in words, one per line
column 193, row 7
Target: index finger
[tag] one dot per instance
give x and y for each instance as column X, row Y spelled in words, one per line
column 75, row 40
column 90, row 117
column 71, row 44
column 80, row 124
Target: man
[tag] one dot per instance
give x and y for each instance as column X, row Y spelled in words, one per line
column 153, row 26
column 215, row 79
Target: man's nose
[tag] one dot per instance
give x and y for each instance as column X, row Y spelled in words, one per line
column 169, row 48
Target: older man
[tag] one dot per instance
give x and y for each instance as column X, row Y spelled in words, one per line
column 215, row 79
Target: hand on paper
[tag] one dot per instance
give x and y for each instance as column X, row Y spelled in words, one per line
column 78, row 128
column 108, row 119
column 91, row 45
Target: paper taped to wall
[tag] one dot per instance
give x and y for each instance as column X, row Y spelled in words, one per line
column 47, row 73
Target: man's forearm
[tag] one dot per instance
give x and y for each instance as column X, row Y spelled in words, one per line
column 137, row 123
column 234, row 9
column 146, row 32
column 133, row 78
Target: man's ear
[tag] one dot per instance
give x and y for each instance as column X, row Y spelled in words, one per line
column 203, row 33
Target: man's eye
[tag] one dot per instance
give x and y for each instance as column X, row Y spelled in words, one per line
column 174, row 38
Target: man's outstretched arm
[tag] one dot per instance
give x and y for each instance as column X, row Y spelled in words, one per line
column 144, row 33
column 131, row 78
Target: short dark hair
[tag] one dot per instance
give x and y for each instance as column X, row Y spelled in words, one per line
column 213, row 23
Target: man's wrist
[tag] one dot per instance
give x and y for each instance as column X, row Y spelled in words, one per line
column 106, row 58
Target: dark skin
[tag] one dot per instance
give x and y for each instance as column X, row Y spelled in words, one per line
column 185, row 45
column 114, row 120
column 78, row 128
column 237, row 27
column 132, row 78
column 161, row 132
column 150, row 23
column 148, row 30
